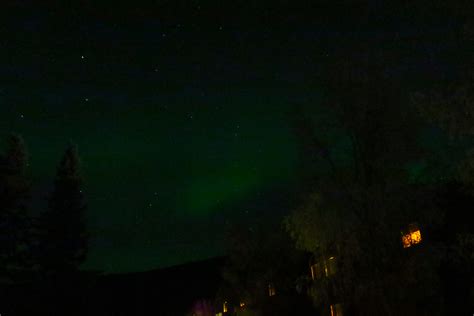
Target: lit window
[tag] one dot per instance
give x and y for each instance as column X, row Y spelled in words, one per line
column 224, row 307
column 411, row 236
column 336, row 310
column 271, row 290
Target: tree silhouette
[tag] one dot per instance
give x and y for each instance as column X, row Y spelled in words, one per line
column 260, row 259
column 14, row 220
column 363, row 197
column 63, row 238
column 450, row 107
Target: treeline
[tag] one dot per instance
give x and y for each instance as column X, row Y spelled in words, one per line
column 52, row 243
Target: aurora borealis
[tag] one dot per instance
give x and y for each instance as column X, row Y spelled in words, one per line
column 179, row 110
column 167, row 177
column 176, row 130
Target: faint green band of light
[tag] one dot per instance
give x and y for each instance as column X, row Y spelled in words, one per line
column 205, row 194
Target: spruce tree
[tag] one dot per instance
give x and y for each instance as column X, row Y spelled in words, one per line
column 63, row 238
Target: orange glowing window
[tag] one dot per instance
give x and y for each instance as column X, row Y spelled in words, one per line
column 271, row 290
column 242, row 304
column 412, row 236
column 336, row 310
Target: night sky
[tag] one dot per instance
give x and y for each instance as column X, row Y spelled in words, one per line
column 179, row 109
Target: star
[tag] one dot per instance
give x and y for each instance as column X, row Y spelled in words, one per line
column 22, row 116
column 86, row 99
column 82, row 57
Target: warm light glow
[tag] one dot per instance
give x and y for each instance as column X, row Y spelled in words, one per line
column 411, row 237
column 224, row 307
column 242, row 304
column 336, row 310
column 271, row 290
column 316, row 271
column 331, row 266
column 416, row 237
column 323, row 268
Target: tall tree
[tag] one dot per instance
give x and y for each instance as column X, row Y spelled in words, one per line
column 363, row 197
column 63, row 237
column 14, row 194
